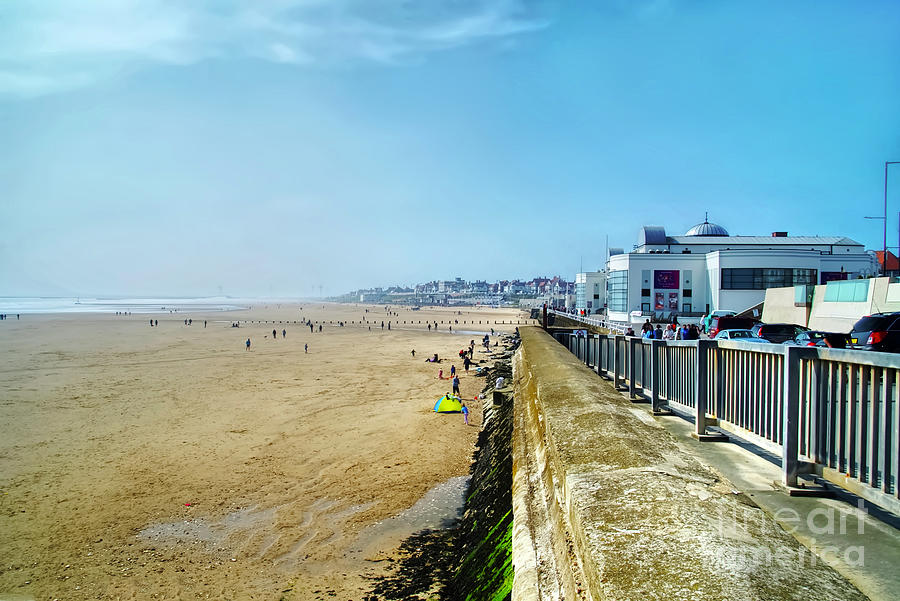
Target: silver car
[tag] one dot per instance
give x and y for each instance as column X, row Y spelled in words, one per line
column 742, row 335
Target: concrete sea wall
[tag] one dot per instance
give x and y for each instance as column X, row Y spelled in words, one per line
column 607, row 505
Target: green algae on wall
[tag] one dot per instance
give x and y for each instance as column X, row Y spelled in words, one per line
column 484, row 544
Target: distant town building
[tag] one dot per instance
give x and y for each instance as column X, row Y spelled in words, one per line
column 590, row 292
column 707, row 269
column 889, row 268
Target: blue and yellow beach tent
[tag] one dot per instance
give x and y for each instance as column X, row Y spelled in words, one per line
column 448, row 404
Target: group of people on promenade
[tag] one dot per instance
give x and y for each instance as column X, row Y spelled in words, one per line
column 672, row 331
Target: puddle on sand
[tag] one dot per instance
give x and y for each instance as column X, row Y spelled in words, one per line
column 438, row 508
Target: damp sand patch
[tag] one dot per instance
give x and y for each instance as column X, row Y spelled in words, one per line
column 438, row 509
column 213, row 534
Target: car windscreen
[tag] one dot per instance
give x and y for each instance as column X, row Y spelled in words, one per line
column 872, row 322
column 729, row 323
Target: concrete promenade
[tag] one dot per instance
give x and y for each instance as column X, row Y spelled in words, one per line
column 610, row 503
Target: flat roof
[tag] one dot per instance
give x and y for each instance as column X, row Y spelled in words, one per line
column 762, row 240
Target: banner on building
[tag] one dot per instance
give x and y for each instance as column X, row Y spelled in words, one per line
column 665, row 279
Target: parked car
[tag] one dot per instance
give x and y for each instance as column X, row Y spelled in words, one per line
column 877, row 332
column 819, row 338
column 742, row 335
column 778, row 332
column 729, row 322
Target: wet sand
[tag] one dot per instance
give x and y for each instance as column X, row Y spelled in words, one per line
column 170, row 462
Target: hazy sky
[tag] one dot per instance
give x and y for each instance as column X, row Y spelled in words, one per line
column 270, row 147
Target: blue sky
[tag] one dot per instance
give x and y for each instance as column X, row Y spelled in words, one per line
column 269, row 148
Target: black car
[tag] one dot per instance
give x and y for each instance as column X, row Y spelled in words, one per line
column 777, row 332
column 877, row 332
column 819, row 338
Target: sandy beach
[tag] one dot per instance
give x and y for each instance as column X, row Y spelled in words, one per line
column 171, row 462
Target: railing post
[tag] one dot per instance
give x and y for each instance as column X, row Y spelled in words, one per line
column 654, row 374
column 618, row 362
column 790, row 436
column 587, row 349
column 632, row 368
column 887, row 433
column 601, row 342
column 701, row 391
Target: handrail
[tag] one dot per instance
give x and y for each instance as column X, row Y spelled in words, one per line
column 612, row 326
column 829, row 411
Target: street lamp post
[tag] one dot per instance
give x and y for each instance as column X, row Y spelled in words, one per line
column 884, row 247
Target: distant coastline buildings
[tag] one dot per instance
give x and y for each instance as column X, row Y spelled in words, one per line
column 555, row 291
column 706, row 269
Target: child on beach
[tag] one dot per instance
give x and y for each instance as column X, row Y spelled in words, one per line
column 465, row 412
column 440, row 374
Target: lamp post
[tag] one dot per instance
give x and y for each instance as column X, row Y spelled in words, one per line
column 884, row 218
column 884, row 251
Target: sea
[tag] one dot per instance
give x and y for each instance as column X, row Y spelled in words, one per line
column 33, row 305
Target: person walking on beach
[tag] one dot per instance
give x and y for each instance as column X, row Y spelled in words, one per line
column 248, row 344
column 429, row 327
column 465, row 412
column 156, row 322
column 275, row 334
column 151, row 323
column 456, row 385
column 306, row 348
column 452, row 370
column 204, row 323
column 440, row 374
column 466, row 363
column 283, row 334
column 414, row 353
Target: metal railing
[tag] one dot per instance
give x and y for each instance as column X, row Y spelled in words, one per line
column 825, row 411
column 612, row 326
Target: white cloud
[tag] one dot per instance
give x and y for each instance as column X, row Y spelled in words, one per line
column 52, row 45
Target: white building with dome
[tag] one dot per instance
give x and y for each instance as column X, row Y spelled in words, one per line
column 708, row 269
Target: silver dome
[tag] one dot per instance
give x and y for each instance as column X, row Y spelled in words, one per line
column 707, row 229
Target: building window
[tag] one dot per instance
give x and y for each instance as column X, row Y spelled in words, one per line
column 645, row 292
column 617, row 290
column 686, row 293
column 761, row 278
column 852, row 291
